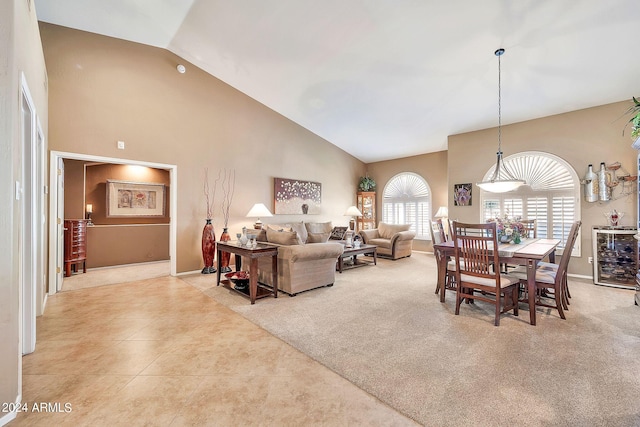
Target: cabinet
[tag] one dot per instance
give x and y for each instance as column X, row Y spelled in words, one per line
column 75, row 245
column 615, row 256
column 367, row 205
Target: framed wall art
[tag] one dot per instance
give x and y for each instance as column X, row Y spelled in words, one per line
column 293, row 196
column 135, row 199
column 462, row 194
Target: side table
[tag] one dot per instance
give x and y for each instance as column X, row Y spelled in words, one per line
column 261, row 250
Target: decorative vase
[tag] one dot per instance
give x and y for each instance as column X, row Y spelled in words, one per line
column 516, row 239
column 243, row 237
column 208, row 247
column 225, row 257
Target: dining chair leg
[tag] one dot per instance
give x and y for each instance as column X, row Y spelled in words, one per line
column 559, row 304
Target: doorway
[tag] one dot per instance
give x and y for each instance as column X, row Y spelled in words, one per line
column 57, row 216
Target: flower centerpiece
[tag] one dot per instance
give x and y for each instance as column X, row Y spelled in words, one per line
column 508, row 229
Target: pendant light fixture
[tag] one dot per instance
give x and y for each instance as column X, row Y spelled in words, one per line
column 501, row 180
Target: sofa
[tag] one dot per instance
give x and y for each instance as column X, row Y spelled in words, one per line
column 393, row 240
column 306, row 257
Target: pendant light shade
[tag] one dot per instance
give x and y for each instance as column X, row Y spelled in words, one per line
column 501, row 180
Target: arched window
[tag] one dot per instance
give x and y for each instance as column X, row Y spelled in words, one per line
column 406, row 199
column 551, row 196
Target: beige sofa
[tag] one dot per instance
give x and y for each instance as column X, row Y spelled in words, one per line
column 393, row 240
column 306, row 259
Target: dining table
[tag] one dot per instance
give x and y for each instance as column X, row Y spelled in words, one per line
column 529, row 252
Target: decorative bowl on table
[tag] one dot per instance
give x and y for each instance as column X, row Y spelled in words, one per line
column 240, row 279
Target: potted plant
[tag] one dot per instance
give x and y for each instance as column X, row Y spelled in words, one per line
column 367, row 184
column 635, row 122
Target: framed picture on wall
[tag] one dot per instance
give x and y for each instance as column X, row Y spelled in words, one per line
column 135, row 199
column 462, row 194
column 293, row 196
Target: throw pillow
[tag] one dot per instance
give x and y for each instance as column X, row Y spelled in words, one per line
column 287, row 238
column 279, row 227
column 318, row 237
column 318, row 227
column 386, row 231
column 300, row 228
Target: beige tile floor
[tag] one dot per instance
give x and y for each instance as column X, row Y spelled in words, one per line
column 159, row 352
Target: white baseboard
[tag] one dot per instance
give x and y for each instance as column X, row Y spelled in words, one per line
column 10, row 416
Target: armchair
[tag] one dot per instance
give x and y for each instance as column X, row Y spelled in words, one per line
column 393, row 240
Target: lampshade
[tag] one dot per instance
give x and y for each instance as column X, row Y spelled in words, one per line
column 501, row 180
column 353, row 211
column 258, row 210
column 89, row 208
column 443, row 212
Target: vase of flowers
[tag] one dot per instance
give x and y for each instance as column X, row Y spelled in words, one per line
column 508, row 229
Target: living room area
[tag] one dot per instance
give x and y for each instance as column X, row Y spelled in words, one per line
column 375, row 348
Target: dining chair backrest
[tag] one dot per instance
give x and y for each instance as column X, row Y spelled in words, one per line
column 437, row 232
column 474, row 244
column 530, row 228
column 568, row 248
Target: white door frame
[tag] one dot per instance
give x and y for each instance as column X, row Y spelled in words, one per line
column 55, row 244
column 28, row 194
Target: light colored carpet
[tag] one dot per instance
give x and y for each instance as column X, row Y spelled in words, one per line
column 383, row 328
column 118, row 274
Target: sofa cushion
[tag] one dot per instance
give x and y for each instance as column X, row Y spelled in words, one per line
column 301, row 229
column 279, row 227
column 318, row 237
column 383, row 243
column 286, row 238
column 319, row 227
column 387, row 231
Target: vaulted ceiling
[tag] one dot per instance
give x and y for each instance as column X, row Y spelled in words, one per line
column 386, row 79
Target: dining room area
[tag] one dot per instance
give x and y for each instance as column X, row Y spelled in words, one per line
column 505, row 262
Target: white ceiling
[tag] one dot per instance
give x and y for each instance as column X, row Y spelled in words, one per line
column 384, row 79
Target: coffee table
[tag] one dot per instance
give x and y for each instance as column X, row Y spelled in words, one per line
column 354, row 252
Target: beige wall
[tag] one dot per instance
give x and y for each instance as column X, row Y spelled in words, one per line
column 581, row 137
column 20, row 52
column 432, row 167
column 104, row 90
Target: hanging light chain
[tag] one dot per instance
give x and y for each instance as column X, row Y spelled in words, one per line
column 499, row 53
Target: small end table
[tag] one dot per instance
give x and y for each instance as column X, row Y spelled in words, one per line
column 261, row 250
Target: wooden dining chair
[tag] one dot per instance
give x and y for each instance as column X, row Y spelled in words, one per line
column 551, row 279
column 475, row 257
column 438, row 235
column 530, row 228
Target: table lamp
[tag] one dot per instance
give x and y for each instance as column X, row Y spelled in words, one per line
column 443, row 212
column 89, row 210
column 258, row 210
column 353, row 212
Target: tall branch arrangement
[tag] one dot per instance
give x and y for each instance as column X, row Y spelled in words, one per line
column 210, row 197
column 228, row 188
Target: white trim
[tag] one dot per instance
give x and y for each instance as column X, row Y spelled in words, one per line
column 28, row 247
column 173, row 203
column 10, row 416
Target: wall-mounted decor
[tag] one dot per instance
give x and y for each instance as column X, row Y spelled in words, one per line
column 134, row 199
column 297, row 197
column 462, row 194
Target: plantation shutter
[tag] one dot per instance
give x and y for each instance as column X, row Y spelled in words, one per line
column 550, row 197
column 406, row 199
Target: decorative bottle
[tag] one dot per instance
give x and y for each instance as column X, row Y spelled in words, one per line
column 208, row 247
column 590, row 185
column 244, row 239
column 225, row 257
column 604, row 193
